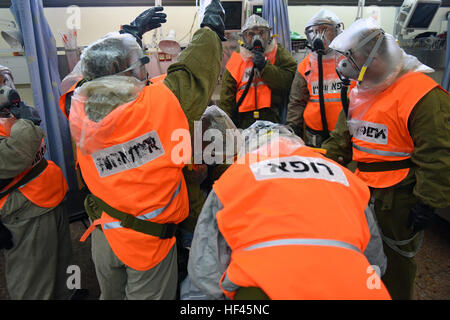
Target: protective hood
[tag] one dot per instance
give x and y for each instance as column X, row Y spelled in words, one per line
column 113, row 54
column 225, row 133
column 256, row 33
column 72, row 78
column 255, row 21
column 375, row 54
column 323, row 16
column 324, row 20
column 378, row 59
column 6, row 77
column 268, row 139
column 96, row 107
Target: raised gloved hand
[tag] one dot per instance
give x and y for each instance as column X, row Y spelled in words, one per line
column 148, row 20
column 22, row 111
column 214, row 18
column 259, row 60
column 5, row 237
column 420, row 216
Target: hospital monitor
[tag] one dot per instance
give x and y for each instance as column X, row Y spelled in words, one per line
column 417, row 14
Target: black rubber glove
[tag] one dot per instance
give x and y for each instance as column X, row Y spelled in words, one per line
column 148, row 20
column 22, row 111
column 420, row 216
column 259, row 60
column 5, row 237
column 214, row 18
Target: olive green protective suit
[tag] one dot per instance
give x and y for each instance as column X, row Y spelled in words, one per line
column 36, row 265
column 428, row 182
column 278, row 78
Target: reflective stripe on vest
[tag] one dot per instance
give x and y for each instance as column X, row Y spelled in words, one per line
column 239, row 70
column 381, row 152
column 128, row 164
column 381, row 134
column 309, row 69
column 305, row 242
column 281, row 216
column 326, row 100
column 145, row 216
column 260, row 83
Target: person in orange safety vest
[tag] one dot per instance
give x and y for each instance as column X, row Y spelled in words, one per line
column 285, row 222
column 34, row 228
column 124, row 128
column 396, row 128
column 305, row 113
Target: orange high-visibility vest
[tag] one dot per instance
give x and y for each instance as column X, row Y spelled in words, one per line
column 296, row 227
column 161, row 77
column 64, row 99
column 240, row 70
column 129, row 166
column 383, row 135
column 309, row 69
column 47, row 190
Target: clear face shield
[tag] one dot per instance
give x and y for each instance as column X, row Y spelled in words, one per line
column 350, row 65
column 256, row 38
column 6, row 80
column 319, row 36
column 137, row 69
column 8, row 98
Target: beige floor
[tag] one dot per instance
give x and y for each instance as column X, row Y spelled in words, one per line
column 432, row 282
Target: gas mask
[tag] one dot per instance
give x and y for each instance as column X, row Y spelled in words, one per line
column 319, row 36
column 256, row 39
column 8, row 98
column 349, row 68
column 137, row 69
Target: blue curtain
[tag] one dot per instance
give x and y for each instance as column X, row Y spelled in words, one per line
column 446, row 78
column 276, row 13
column 40, row 50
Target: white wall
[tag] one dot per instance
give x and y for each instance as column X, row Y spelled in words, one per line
column 97, row 21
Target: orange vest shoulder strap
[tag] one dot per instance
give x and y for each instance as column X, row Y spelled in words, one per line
column 412, row 87
column 234, row 64
column 304, row 65
column 65, row 99
column 3, row 132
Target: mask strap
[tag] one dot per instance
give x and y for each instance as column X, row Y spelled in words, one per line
column 367, row 39
column 142, row 61
column 370, row 58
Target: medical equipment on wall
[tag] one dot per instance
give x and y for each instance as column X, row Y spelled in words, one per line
column 415, row 15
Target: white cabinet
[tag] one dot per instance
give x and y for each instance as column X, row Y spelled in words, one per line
column 18, row 66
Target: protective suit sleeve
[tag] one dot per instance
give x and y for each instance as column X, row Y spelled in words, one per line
column 210, row 254
column 228, row 92
column 193, row 78
column 429, row 126
column 339, row 144
column 279, row 76
column 298, row 98
column 19, row 149
column 374, row 251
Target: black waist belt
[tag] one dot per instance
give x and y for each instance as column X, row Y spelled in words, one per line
column 163, row 231
column 323, row 134
column 250, row 293
column 385, row 166
column 33, row 173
